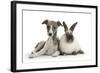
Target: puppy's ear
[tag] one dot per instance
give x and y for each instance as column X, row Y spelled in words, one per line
column 45, row 22
column 73, row 26
column 65, row 26
column 58, row 23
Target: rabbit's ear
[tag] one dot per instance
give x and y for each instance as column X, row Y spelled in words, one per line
column 65, row 26
column 58, row 23
column 45, row 22
column 73, row 26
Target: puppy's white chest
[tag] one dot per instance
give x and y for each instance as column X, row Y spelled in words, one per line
column 51, row 48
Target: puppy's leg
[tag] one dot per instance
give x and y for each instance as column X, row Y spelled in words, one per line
column 42, row 51
column 39, row 53
column 38, row 47
column 57, row 53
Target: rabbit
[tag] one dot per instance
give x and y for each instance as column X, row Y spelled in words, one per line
column 68, row 43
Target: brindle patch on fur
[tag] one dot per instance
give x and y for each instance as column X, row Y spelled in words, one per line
column 39, row 47
column 69, row 38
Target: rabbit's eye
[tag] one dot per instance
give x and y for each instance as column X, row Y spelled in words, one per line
column 54, row 27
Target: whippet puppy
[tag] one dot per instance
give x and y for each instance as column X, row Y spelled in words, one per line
column 49, row 47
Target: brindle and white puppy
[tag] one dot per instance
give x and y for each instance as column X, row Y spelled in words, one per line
column 50, row 47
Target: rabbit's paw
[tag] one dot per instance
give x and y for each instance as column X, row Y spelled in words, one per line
column 74, row 53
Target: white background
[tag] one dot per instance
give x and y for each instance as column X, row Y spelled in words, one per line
column 34, row 31
column 5, row 36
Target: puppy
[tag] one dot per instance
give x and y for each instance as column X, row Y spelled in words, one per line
column 49, row 47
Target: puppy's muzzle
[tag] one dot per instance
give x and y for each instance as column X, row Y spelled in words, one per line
column 50, row 34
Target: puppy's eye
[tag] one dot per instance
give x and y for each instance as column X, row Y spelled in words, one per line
column 48, row 27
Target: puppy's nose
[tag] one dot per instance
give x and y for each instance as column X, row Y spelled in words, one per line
column 50, row 34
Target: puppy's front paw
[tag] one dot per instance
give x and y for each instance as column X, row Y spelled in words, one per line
column 32, row 55
column 56, row 54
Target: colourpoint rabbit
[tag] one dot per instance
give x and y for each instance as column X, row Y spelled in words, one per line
column 68, row 43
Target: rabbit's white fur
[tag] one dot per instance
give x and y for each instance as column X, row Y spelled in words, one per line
column 68, row 43
column 67, row 47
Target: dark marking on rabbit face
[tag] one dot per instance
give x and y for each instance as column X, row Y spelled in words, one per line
column 69, row 32
column 69, row 36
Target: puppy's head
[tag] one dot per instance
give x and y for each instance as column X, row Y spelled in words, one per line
column 51, row 26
